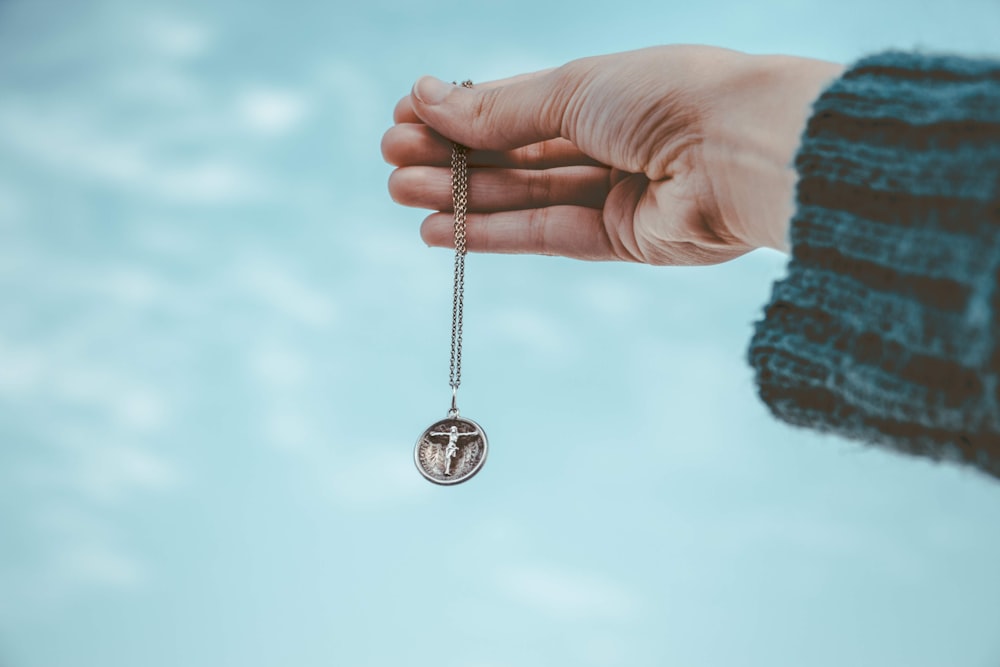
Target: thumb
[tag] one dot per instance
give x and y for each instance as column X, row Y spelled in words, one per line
column 525, row 111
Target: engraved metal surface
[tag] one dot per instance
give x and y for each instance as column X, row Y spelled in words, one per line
column 451, row 451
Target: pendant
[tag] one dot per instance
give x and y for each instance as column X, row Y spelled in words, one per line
column 451, row 451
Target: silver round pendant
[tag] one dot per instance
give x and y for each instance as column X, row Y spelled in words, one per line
column 451, row 451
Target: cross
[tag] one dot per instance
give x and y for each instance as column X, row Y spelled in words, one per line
column 451, row 449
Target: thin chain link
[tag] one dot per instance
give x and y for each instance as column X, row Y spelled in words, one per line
column 460, row 201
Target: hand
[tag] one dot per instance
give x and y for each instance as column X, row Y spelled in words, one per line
column 667, row 155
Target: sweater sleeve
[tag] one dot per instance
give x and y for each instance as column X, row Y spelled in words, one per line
column 886, row 328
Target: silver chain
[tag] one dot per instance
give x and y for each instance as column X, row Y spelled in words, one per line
column 460, row 205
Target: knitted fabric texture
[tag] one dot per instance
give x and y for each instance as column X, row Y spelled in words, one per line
column 886, row 328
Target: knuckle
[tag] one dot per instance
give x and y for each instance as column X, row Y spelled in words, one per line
column 484, row 110
column 537, row 238
column 569, row 84
column 539, row 187
column 571, row 72
column 535, row 154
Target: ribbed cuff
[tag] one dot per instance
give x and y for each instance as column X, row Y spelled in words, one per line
column 886, row 327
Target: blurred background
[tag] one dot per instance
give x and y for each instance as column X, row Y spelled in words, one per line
column 219, row 341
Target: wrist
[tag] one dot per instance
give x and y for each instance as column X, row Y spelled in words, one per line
column 774, row 97
column 798, row 83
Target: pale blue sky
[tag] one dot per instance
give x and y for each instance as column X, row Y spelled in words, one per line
column 220, row 339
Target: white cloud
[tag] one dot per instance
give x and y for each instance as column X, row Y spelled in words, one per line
column 349, row 471
column 209, row 180
column 72, row 568
column 27, row 372
column 98, row 564
column 532, row 330
column 167, row 238
column 132, row 406
column 289, row 428
column 359, row 95
column 397, row 246
column 13, row 207
column 132, row 285
column 278, row 365
column 603, row 649
column 271, row 111
column 98, row 466
column 159, row 84
column 277, row 287
column 70, row 145
column 22, row 369
column 568, row 595
column 176, row 37
column 141, row 410
column 614, row 300
column 372, row 476
column 109, row 472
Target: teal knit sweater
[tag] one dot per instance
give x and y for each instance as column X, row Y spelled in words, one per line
column 886, row 328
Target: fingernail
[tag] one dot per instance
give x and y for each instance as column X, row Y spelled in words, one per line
column 431, row 91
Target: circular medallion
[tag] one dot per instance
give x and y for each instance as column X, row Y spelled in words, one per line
column 451, row 451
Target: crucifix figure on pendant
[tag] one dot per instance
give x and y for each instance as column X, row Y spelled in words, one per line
column 451, row 449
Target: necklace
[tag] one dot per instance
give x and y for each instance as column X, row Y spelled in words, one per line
column 453, row 449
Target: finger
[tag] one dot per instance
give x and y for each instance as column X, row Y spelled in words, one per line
column 497, row 118
column 502, row 189
column 404, row 112
column 412, row 144
column 566, row 231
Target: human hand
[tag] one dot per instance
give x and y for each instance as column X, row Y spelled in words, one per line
column 666, row 155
